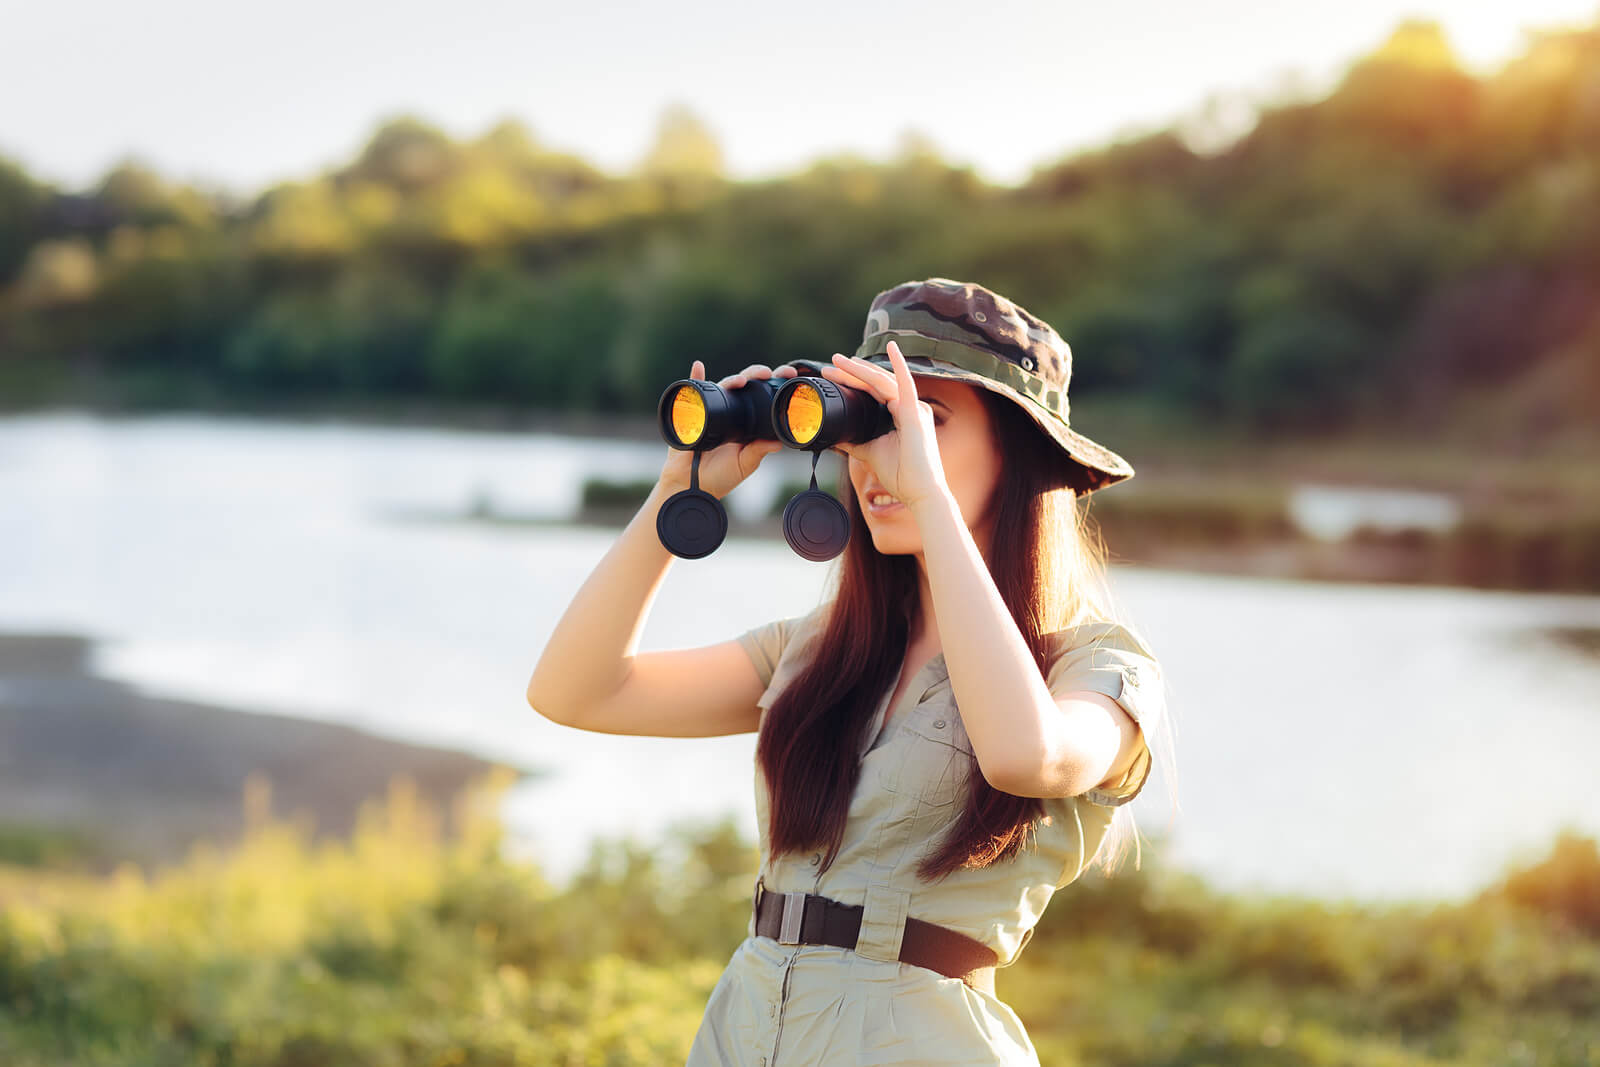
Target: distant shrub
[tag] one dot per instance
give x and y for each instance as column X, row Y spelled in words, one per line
column 30, row 846
column 1564, row 886
column 600, row 494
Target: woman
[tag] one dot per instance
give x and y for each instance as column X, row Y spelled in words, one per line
column 945, row 742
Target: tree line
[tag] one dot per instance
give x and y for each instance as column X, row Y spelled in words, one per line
column 1416, row 237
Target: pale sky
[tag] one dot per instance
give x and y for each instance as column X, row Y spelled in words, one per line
column 245, row 94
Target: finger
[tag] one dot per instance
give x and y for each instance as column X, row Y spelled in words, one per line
column 757, row 370
column 762, row 449
column 871, row 368
column 850, row 381
column 843, row 376
column 854, row 377
column 698, row 371
column 733, row 381
column 874, row 373
column 787, row 371
column 902, row 374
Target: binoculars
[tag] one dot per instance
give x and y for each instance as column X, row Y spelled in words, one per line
column 806, row 412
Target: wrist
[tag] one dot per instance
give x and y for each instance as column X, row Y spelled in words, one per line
column 939, row 502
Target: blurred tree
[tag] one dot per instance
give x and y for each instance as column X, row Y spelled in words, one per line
column 510, row 141
column 407, row 154
column 138, row 195
column 507, row 336
column 289, row 344
column 1545, row 103
column 482, row 206
column 303, row 221
column 57, row 273
column 684, row 147
column 167, row 303
column 384, row 318
column 701, row 312
column 1410, row 96
column 22, row 204
column 1299, row 371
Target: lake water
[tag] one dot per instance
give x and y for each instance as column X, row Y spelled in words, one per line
column 1338, row 740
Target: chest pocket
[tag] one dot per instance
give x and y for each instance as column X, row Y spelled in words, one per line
column 930, row 756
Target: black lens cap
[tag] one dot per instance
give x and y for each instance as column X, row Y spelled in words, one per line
column 691, row 524
column 816, row 525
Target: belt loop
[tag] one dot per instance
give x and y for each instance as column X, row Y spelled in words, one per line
column 883, row 921
column 794, row 911
column 755, row 898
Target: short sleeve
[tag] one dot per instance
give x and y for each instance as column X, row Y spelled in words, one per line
column 765, row 645
column 1108, row 659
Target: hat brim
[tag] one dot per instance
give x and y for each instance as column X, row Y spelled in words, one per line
column 1101, row 467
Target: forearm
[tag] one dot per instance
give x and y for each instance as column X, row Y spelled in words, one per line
column 1009, row 713
column 589, row 654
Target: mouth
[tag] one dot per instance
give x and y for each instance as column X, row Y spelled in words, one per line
column 877, row 502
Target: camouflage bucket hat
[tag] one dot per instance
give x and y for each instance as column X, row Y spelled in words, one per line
column 962, row 331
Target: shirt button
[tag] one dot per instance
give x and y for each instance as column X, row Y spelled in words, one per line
column 938, row 724
column 1133, row 674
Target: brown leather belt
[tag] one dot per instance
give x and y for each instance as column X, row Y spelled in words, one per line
column 807, row 919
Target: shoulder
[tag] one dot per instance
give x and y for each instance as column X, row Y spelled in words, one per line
column 1106, row 657
column 1114, row 660
column 1100, row 634
column 770, row 644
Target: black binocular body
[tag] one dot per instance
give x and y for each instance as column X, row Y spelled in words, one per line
column 806, row 412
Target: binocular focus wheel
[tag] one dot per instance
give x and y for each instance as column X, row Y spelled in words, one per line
column 692, row 524
column 816, row 525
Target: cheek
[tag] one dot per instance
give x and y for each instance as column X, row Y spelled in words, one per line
column 972, row 472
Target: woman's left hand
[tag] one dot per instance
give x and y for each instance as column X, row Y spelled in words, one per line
column 905, row 460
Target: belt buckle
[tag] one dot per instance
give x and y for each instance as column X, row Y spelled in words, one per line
column 794, row 910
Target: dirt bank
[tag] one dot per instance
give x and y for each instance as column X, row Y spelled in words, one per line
column 117, row 774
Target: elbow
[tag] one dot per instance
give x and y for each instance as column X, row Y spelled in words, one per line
column 1014, row 775
column 1033, row 774
column 1004, row 779
column 547, row 705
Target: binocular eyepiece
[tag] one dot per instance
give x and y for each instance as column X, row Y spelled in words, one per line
column 806, row 412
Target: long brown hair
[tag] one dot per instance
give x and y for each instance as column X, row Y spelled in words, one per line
column 1043, row 563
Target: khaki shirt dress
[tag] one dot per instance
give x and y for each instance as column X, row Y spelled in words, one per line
column 792, row 1005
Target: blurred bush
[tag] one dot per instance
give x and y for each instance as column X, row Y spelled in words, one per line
column 405, row 945
column 601, row 494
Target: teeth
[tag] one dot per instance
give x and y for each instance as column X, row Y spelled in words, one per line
column 879, row 500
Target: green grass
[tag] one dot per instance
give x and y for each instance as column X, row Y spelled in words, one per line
column 30, row 846
column 406, row 945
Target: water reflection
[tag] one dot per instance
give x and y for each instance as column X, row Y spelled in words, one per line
column 1333, row 739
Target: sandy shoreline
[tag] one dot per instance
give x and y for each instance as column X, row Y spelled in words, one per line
column 133, row 777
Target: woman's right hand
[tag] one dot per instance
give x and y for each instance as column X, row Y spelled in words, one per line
column 725, row 466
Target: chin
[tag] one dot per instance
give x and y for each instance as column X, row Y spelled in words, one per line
column 894, row 542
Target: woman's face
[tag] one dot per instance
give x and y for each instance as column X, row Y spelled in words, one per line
column 971, row 468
